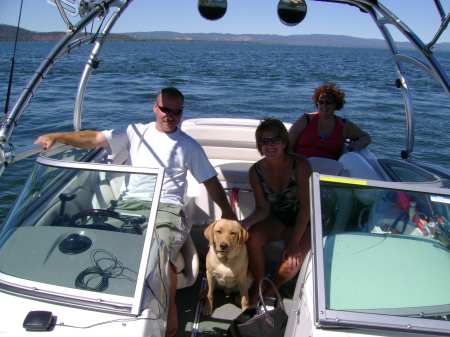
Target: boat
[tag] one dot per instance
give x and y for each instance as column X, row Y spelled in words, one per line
column 380, row 257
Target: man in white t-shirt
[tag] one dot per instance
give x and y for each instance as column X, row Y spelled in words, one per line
column 157, row 144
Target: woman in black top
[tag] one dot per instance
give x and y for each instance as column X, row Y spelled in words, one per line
column 280, row 183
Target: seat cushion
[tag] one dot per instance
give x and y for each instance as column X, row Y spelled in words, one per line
column 233, row 172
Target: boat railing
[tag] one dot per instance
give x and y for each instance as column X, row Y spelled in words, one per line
column 383, row 18
column 13, row 156
column 71, row 40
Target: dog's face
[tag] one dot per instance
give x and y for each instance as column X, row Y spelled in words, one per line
column 225, row 236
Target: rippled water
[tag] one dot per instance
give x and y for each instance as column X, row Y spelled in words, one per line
column 223, row 80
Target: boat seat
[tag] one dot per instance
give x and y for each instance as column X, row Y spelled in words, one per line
column 80, row 202
column 326, row 166
column 116, row 159
column 52, row 213
column 339, row 204
column 188, row 264
column 230, row 147
column 234, row 179
column 357, row 167
column 110, row 185
column 108, row 189
column 236, row 172
column 233, row 176
column 221, row 140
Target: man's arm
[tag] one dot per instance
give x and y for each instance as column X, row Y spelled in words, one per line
column 81, row 139
column 217, row 194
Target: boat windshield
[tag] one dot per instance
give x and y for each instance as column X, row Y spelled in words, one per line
column 71, row 227
column 382, row 250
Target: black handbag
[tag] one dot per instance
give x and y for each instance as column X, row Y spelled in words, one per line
column 266, row 318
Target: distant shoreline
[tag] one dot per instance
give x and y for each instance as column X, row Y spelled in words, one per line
column 8, row 33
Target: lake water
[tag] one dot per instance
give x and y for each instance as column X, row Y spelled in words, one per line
column 222, row 80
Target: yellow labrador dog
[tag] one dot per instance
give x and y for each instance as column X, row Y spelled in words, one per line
column 226, row 263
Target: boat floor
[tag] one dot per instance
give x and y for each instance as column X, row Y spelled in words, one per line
column 190, row 321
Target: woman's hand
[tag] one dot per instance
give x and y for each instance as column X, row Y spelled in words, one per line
column 293, row 254
column 355, row 146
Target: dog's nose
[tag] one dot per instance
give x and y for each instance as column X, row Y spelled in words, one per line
column 224, row 246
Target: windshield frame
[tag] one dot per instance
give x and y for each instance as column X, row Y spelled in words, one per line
column 85, row 298
column 325, row 317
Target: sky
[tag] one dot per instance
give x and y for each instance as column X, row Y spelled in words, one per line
column 242, row 17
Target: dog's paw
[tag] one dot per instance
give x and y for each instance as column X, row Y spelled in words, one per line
column 237, row 299
column 244, row 304
column 202, row 294
column 206, row 310
column 241, row 301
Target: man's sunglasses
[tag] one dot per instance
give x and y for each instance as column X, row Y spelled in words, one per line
column 274, row 140
column 176, row 112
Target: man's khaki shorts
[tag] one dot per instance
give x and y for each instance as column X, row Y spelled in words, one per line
column 171, row 224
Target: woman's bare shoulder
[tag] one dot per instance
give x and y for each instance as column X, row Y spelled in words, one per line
column 298, row 157
column 302, row 162
column 258, row 163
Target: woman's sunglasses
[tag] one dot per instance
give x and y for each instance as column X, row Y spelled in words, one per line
column 274, row 140
column 176, row 112
column 325, row 102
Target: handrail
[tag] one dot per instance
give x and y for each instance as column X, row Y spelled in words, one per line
column 44, row 159
column 25, row 152
column 92, row 63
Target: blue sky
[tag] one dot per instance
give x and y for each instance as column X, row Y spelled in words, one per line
column 242, row 17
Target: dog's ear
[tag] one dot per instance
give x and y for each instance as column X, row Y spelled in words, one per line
column 243, row 235
column 209, row 233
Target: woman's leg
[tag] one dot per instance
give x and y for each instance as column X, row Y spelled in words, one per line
column 284, row 272
column 261, row 234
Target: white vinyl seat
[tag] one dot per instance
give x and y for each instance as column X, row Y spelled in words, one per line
column 326, row 166
column 343, row 198
column 357, row 167
column 231, row 151
column 187, row 264
column 108, row 189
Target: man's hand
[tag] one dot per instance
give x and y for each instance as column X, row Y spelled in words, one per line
column 47, row 140
column 217, row 194
column 229, row 214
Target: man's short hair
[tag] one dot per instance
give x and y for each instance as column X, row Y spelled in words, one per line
column 172, row 92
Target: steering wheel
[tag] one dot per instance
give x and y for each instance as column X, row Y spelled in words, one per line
column 136, row 229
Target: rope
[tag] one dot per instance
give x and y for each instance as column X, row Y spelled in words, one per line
column 8, row 93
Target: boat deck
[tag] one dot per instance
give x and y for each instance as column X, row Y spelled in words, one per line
column 191, row 322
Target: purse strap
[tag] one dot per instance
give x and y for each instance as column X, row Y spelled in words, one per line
column 269, row 319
